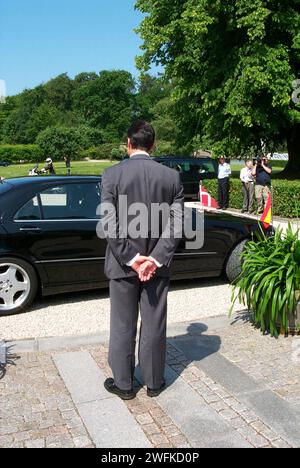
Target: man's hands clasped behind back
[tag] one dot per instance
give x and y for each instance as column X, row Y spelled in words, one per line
column 145, row 267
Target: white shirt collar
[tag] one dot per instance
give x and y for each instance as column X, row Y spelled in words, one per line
column 140, row 152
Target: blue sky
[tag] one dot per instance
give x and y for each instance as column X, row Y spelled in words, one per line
column 39, row 39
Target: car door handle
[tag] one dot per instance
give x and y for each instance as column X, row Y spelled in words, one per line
column 31, row 229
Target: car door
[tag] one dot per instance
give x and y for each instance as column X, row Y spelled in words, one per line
column 221, row 233
column 66, row 242
column 201, row 258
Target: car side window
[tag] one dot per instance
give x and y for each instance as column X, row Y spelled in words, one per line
column 206, row 167
column 177, row 166
column 71, row 201
column 29, row 212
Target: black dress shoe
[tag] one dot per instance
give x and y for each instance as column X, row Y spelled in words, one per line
column 110, row 386
column 155, row 393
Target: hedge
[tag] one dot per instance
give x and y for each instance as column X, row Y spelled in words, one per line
column 18, row 153
column 32, row 153
column 106, row 151
column 286, row 195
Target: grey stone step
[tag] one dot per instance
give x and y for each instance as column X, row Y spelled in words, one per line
column 106, row 418
column 274, row 411
column 202, row 426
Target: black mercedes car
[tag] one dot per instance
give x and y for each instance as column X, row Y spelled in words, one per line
column 48, row 240
column 193, row 170
column 4, row 164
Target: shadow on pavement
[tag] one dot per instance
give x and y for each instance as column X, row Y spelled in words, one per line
column 6, row 359
column 194, row 345
column 244, row 316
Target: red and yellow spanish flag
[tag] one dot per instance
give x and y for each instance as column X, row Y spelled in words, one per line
column 266, row 218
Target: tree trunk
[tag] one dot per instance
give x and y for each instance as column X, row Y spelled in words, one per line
column 292, row 170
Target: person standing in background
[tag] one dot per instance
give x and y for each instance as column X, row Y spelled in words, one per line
column 224, row 183
column 248, row 187
column 68, row 164
column 262, row 172
column 50, row 166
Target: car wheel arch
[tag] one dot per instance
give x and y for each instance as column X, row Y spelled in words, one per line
column 238, row 243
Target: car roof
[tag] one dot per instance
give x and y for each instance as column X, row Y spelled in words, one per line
column 182, row 158
column 36, row 180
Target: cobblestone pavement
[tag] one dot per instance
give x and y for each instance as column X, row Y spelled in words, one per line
column 273, row 362
column 37, row 410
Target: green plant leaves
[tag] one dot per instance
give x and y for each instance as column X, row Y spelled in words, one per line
column 270, row 280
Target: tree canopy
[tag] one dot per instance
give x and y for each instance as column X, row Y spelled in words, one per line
column 101, row 106
column 233, row 65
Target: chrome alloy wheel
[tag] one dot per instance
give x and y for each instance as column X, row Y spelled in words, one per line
column 14, row 286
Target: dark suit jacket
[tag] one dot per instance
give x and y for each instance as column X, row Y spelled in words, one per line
column 144, row 181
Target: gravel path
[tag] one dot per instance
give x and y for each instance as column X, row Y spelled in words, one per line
column 88, row 312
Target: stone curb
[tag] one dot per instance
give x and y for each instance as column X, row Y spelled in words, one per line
column 35, row 345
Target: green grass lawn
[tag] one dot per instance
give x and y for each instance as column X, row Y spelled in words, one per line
column 78, row 168
column 85, row 168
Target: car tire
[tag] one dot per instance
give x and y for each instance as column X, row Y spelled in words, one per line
column 14, row 272
column 234, row 263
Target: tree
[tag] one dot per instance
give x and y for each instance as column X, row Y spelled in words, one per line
column 233, row 64
column 59, row 92
column 101, row 106
column 107, row 103
column 153, row 103
column 41, row 118
column 18, row 111
column 163, row 120
column 92, row 136
column 84, row 77
column 60, row 142
column 151, row 90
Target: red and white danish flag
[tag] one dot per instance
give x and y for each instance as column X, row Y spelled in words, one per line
column 206, row 199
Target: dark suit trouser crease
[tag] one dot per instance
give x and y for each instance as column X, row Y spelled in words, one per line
column 127, row 297
column 224, row 187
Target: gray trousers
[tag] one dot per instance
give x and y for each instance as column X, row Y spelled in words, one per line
column 127, row 296
column 248, row 190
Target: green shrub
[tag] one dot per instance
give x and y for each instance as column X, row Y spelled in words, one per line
column 60, row 142
column 17, row 153
column 286, row 196
column 119, row 153
column 106, row 151
column 270, row 281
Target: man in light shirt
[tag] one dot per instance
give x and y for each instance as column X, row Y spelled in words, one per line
column 224, row 183
column 247, row 179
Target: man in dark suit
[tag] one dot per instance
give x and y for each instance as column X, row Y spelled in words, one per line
column 138, row 264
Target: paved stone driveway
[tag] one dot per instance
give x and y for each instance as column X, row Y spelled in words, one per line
column 228, row 386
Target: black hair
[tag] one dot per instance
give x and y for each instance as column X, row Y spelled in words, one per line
column 141, row 135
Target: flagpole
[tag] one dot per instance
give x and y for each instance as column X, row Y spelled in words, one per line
column 200, row 190
column 272, row 205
